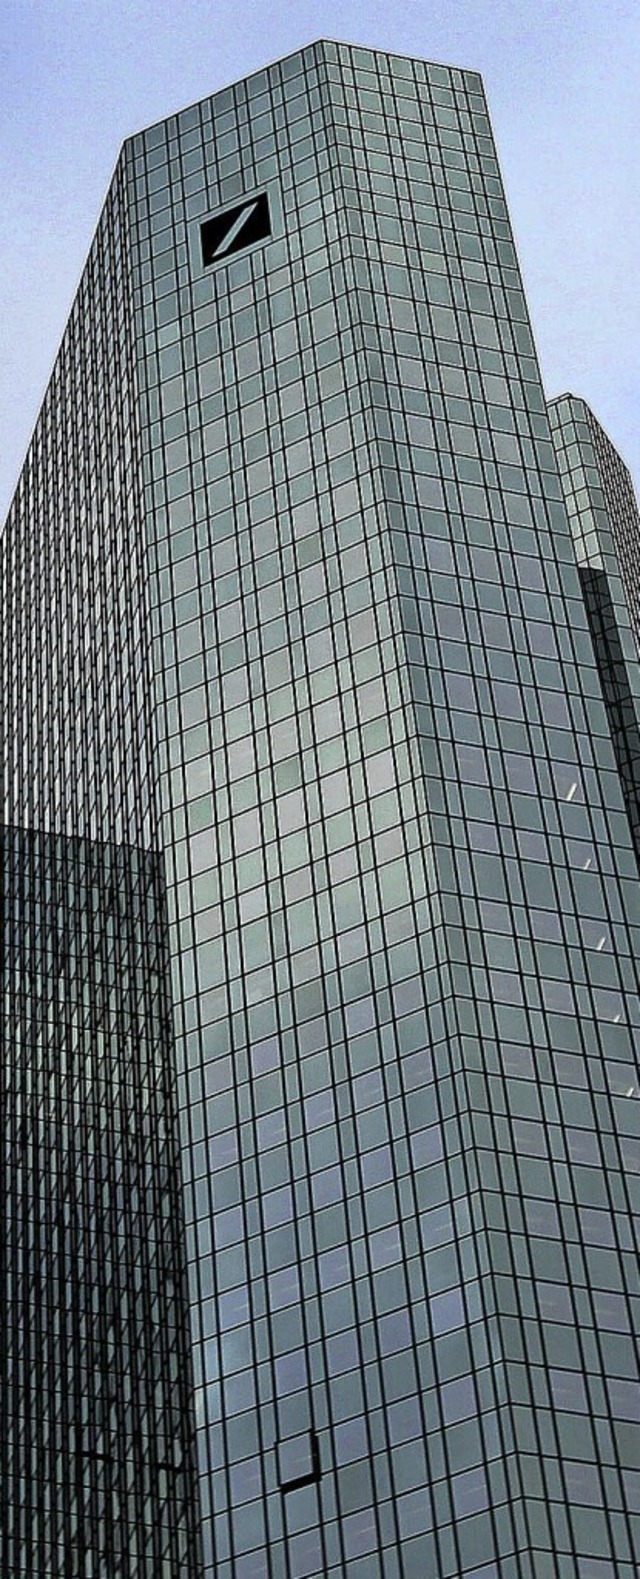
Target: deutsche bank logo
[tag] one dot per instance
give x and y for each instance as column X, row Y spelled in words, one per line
column 238, row 227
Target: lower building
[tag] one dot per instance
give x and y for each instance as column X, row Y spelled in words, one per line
column 98, row 1425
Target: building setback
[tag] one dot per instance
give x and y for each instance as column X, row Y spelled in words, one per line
column 316, row 698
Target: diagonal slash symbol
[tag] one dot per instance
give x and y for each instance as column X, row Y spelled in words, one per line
column 248, row 222
column 235, row 229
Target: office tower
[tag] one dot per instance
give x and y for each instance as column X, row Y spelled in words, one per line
column 294, row 615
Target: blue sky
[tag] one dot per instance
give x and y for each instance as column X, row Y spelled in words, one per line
column 563, row 80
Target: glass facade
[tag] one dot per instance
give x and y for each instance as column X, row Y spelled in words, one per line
column 312, row 632
column 98, row 1429
column 604, row 520
column 98, row 1462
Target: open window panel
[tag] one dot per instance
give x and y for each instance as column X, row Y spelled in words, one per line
column 299, row 1461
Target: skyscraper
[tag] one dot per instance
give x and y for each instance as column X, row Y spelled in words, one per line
column 322, row 855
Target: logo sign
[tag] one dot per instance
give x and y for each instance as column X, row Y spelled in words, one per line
column 235, row 229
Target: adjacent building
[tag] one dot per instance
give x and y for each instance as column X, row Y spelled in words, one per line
column 603, row 516
column 320, row 695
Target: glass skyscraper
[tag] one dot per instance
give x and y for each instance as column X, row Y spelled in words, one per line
column 320, row 859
